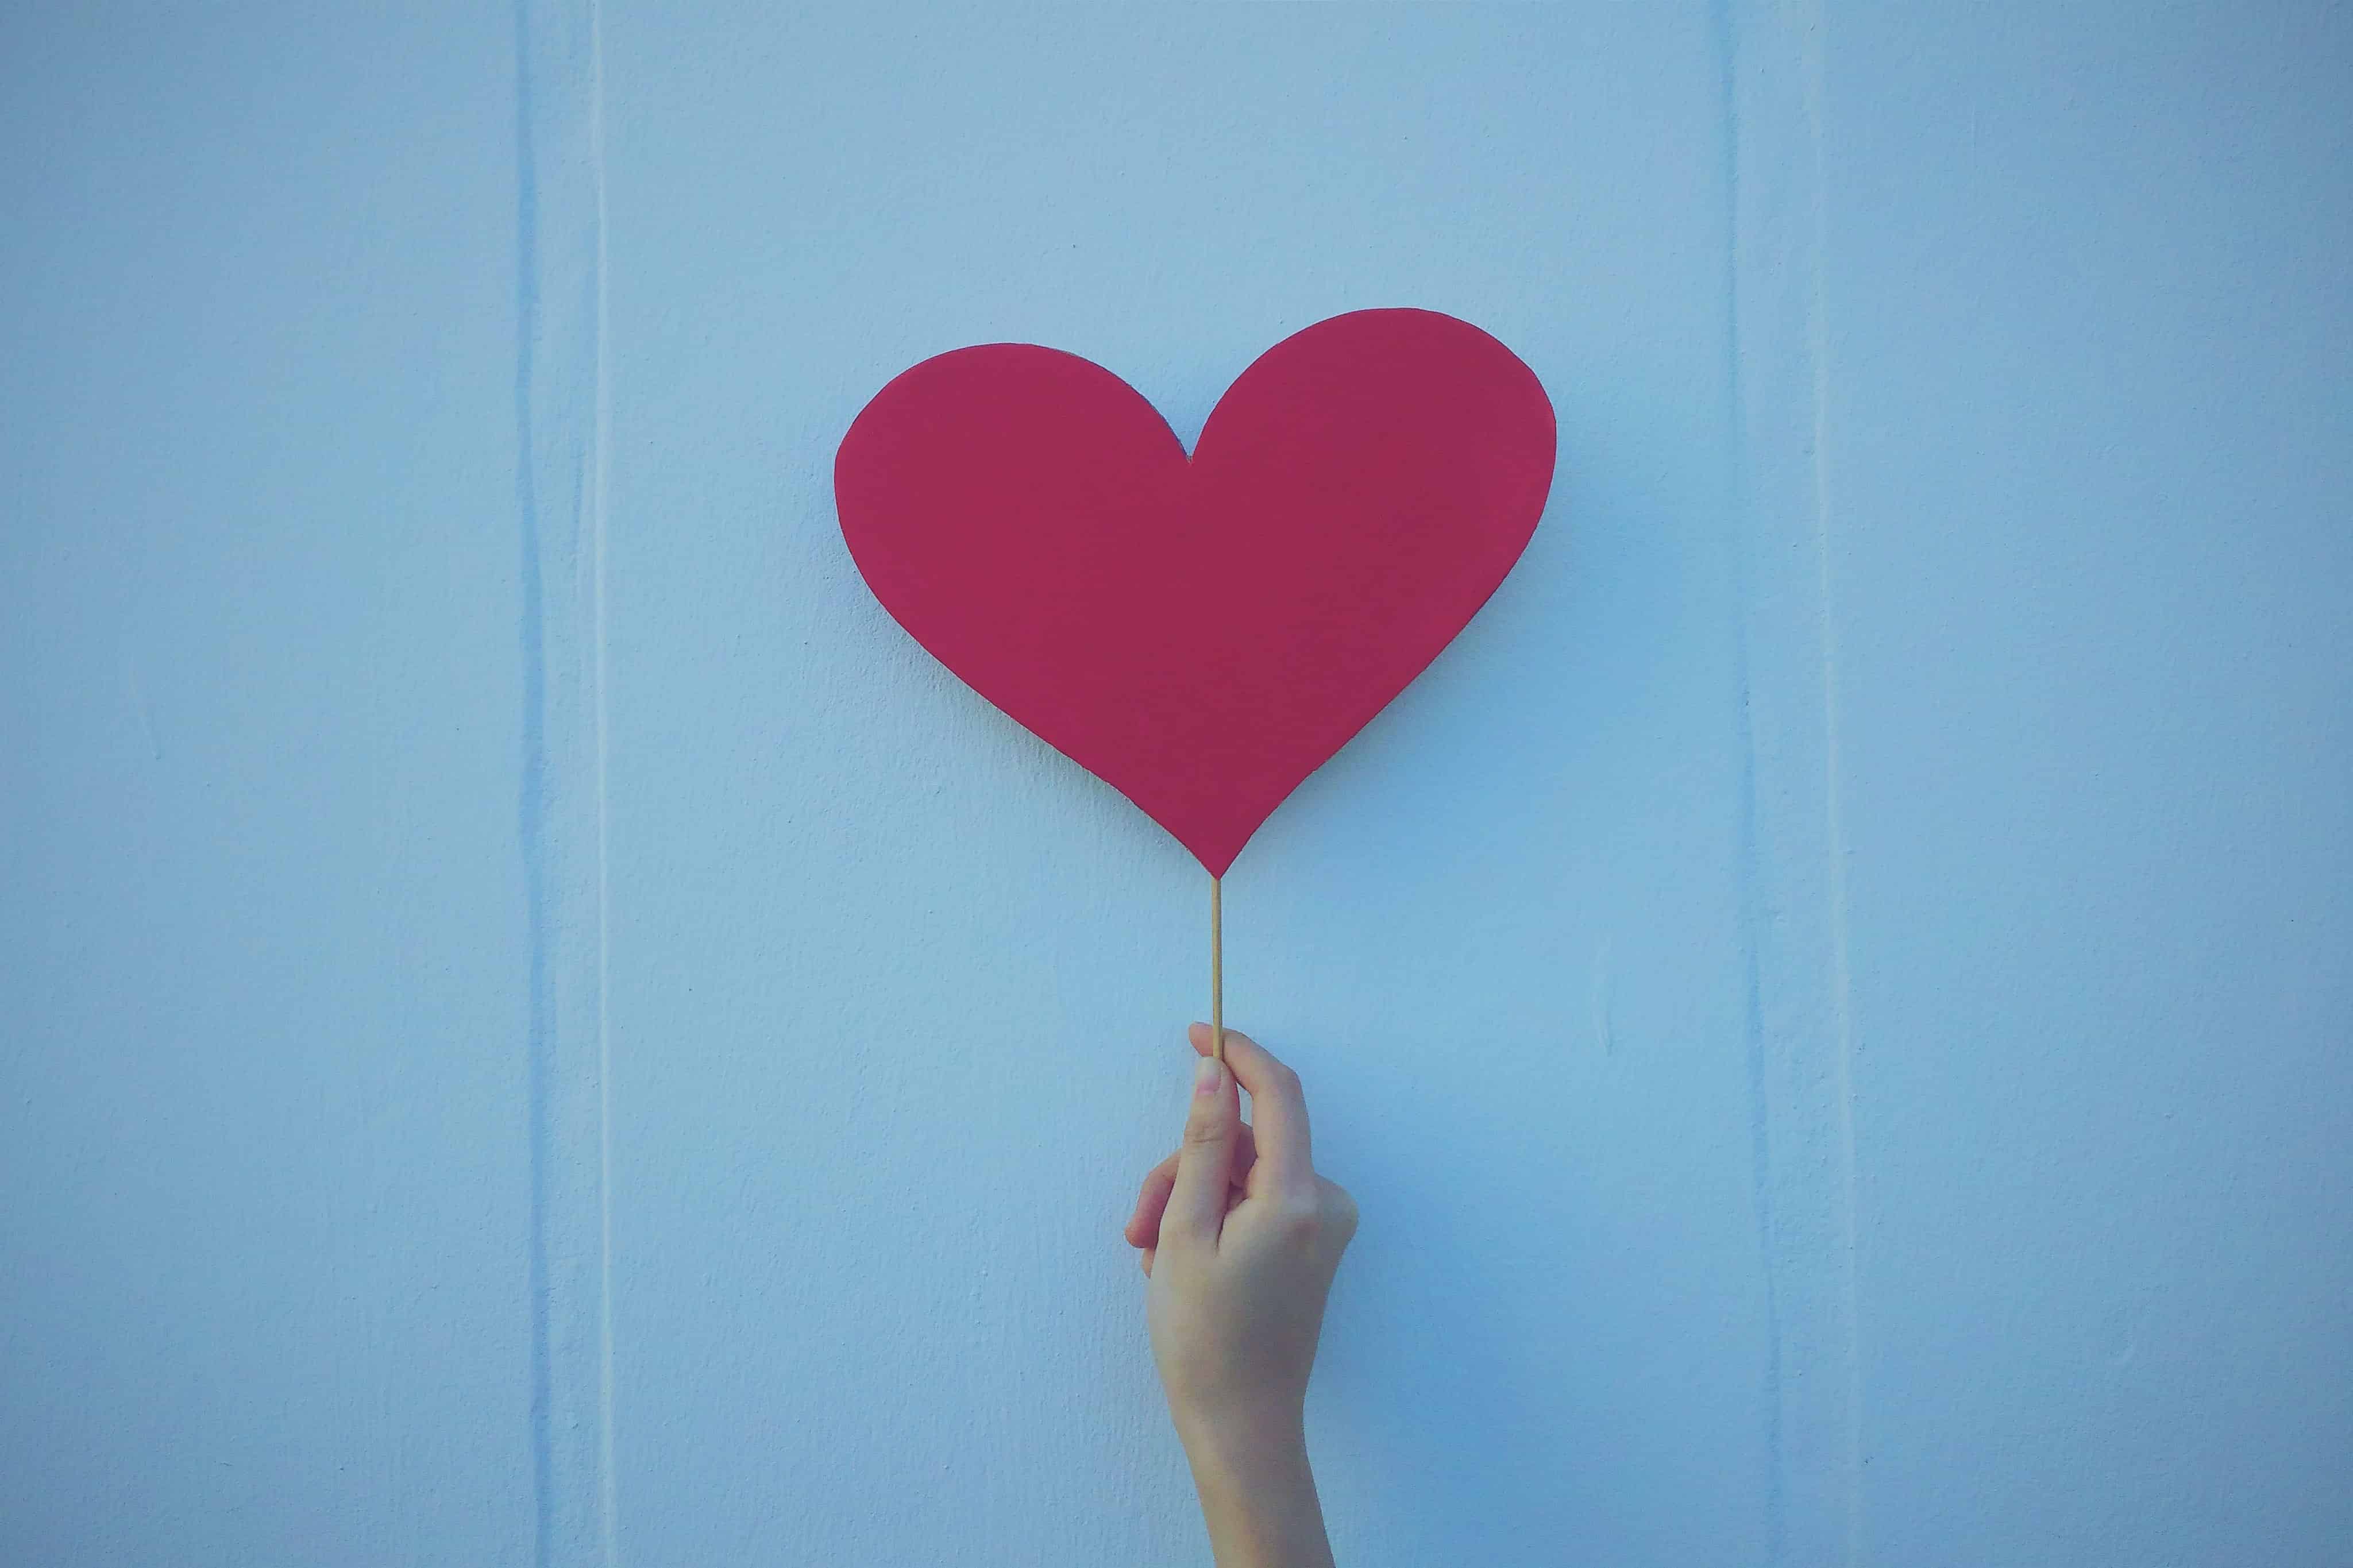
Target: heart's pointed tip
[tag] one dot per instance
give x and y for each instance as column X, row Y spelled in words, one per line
column 1215, row 847
column 1216, row 858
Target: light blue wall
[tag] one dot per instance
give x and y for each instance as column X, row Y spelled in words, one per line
column 2090, row 474
column 261, row 924
column 535, row 1025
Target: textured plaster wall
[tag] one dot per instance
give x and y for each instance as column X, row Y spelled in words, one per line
column 535, row 1026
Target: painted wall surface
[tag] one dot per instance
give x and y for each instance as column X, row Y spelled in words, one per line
column 262, row 932
column 535, row 1025
column 2090, row 485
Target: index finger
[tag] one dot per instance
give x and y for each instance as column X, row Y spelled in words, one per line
column 1278, row 1109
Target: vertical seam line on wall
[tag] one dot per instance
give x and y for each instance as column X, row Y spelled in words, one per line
column 608, row 1500
column 1835, row 826
column 532, row 595
column 1751, row 903
column 561, row 410
column 1800, row 1040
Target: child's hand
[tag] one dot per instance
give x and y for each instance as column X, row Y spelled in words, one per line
column 1240, row 1238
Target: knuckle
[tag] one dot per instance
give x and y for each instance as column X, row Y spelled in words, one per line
column 1202, row 1132
column 1299, row 1218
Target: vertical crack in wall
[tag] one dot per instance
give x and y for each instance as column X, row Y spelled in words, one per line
column 561, row 415
column 1793, row 882
column 1763, row 1185
column 1834, row 849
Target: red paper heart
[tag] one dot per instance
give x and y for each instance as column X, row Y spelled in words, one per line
column 1201, row 633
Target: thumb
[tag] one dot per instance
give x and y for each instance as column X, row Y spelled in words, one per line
column 1197, row 1205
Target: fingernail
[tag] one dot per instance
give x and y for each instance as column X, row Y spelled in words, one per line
column 1210, row 1076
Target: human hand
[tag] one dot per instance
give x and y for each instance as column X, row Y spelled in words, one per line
column 1240, row 1238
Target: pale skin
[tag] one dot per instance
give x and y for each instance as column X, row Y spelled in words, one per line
column 1240, row 1239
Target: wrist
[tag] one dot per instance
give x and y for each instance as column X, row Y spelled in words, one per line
column 1258, row 1492
column 1229, row 1447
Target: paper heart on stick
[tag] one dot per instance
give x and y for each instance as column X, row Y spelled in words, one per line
column 1200, row 633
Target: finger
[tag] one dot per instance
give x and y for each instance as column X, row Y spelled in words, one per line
column 1144, row 1226
column 1278, row 1109
column 1233, row 1201
column 1196, row 1199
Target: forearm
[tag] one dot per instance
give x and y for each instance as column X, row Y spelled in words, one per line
column 1258, row 1498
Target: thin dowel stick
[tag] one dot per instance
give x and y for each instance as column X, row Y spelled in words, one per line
column 1217, row 973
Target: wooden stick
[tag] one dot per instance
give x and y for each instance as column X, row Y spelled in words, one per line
column 1217, row 973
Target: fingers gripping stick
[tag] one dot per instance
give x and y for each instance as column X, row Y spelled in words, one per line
column 1278, row 1109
